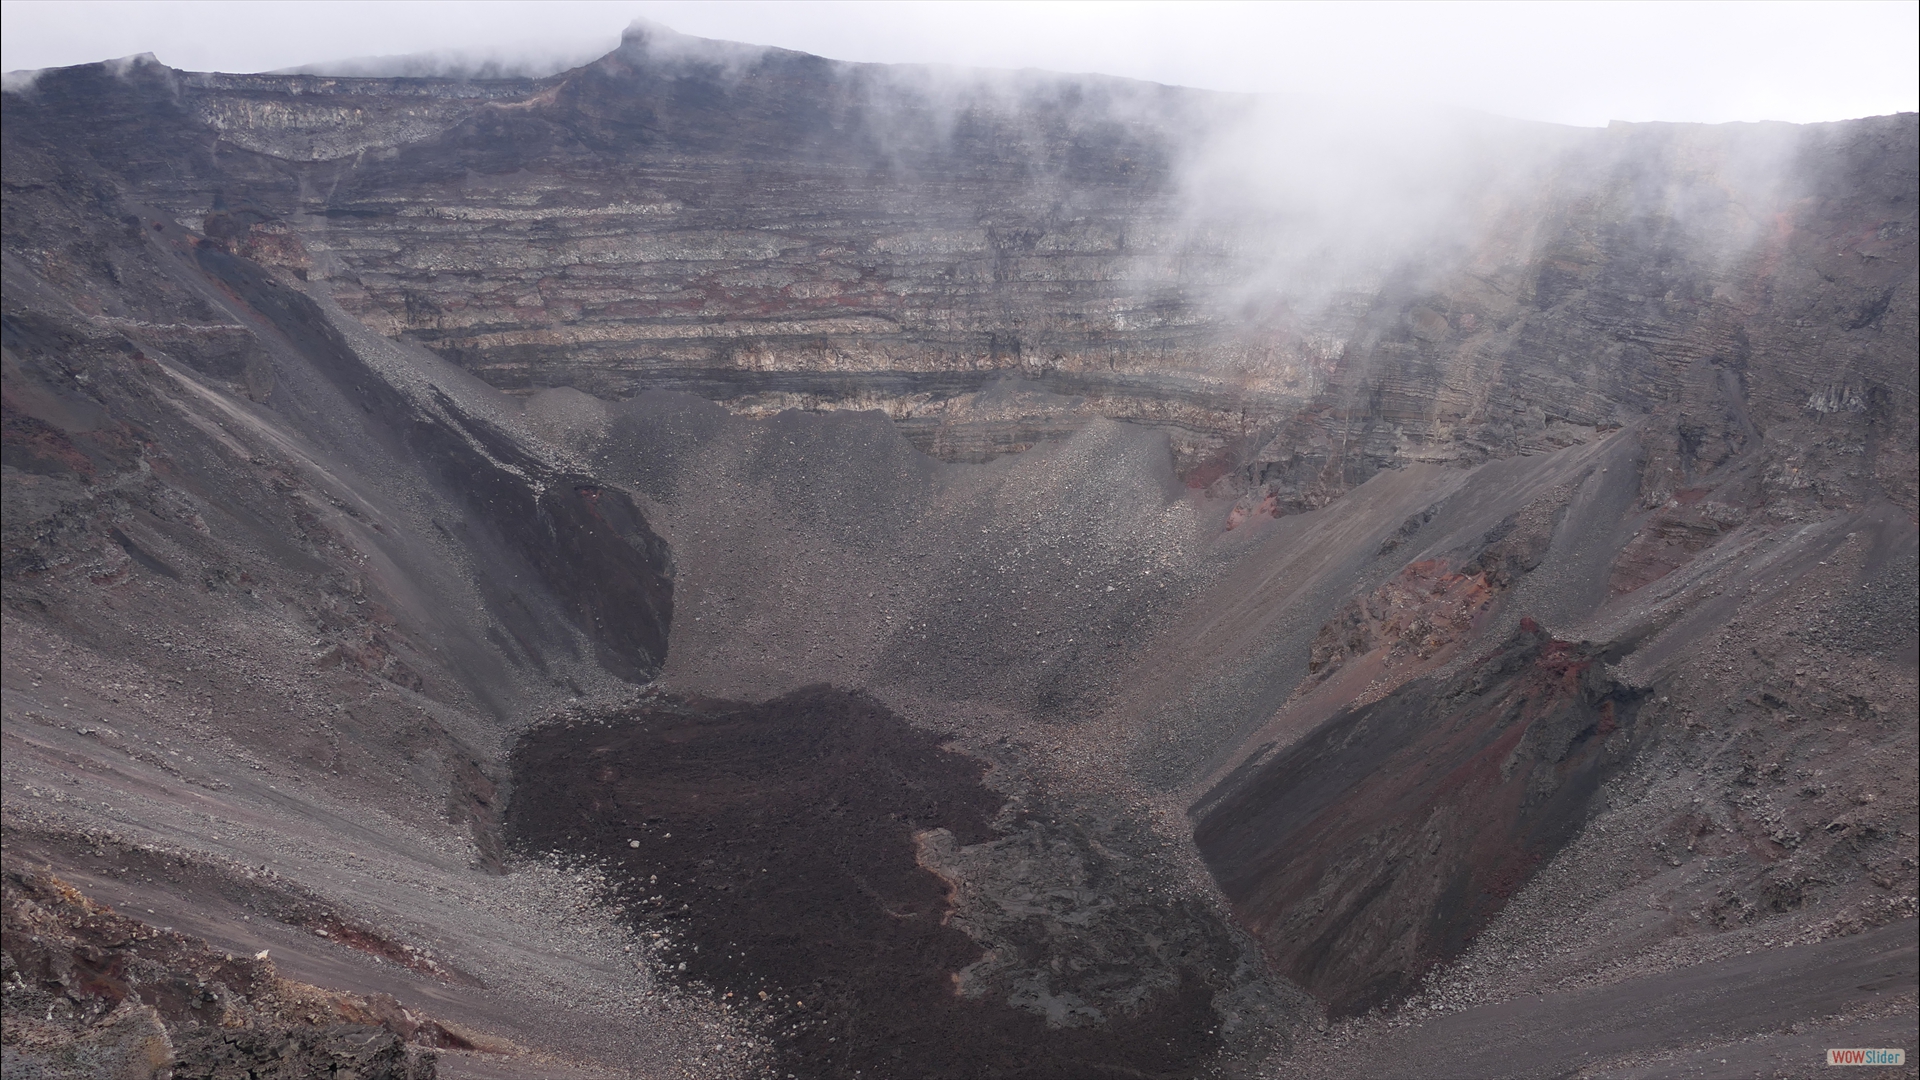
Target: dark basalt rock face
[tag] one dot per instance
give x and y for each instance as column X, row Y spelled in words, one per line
column 1382, row 843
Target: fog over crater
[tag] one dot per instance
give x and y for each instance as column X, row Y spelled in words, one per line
column 701, row 559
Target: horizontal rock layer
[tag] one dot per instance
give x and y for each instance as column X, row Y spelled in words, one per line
column 774, row 230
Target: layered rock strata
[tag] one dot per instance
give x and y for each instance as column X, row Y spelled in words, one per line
column 992, row 262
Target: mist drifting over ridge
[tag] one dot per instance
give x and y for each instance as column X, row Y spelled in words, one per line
column 1272, row 225
column 1579, row 63
column 1337, row 187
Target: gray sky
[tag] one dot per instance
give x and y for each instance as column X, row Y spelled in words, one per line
column 1575, row 63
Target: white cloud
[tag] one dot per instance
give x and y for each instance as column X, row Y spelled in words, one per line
column 1576, row 63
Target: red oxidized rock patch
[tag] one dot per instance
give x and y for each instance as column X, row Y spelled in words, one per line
column 1386, row 840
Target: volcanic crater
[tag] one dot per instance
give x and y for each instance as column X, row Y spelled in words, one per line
column 724, row 562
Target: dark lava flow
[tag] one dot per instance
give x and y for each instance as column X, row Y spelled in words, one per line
column 777, row 841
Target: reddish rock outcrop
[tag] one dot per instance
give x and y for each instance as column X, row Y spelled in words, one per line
column 1385, row 841
column 98, row 993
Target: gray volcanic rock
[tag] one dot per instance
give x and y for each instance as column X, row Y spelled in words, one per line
column 774, row 230
column 1267, row 563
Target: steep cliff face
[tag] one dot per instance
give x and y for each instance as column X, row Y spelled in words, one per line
column 1278, row 564
column 994, row 262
